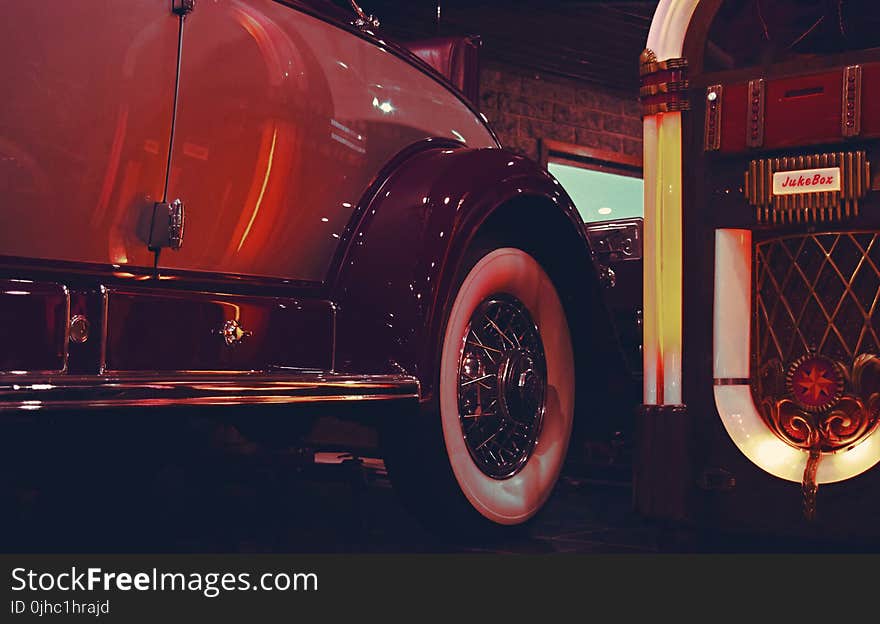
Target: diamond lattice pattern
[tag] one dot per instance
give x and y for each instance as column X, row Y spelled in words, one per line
column 817, row 293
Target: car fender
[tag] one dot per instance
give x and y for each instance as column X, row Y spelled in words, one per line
column 396, row 275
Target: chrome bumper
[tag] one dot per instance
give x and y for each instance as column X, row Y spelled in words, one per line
column 198, row 389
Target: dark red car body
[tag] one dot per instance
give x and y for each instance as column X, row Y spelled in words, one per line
column 331, row 184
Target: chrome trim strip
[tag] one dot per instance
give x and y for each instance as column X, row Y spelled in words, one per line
column 712, row 125
column 755, row 113
column 334, row 313
column 105, row 307
column 648, row 63
column 68, row 392
column 851, row 102
column 65, row 362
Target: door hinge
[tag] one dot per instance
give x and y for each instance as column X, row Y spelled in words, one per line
column 166, row 228
column 182, row 7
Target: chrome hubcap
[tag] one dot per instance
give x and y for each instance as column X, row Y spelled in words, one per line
column 502, row 381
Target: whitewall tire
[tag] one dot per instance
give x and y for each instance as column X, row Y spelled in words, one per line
column 510, row 485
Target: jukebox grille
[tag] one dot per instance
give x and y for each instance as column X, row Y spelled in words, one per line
column 817, row 293
column 816, row 381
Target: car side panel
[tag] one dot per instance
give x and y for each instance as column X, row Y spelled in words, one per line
column 284, row 120
column 84, row 127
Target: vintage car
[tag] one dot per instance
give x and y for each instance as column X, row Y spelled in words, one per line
column 267, row 203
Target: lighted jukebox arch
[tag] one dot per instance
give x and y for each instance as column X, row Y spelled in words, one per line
column 761, row 247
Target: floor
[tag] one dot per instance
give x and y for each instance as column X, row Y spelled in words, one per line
column 141, row 490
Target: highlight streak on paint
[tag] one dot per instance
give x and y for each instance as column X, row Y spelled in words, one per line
column 250, row 224
column 113, row 161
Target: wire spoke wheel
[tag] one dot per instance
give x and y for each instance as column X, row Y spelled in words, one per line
column 502, row 386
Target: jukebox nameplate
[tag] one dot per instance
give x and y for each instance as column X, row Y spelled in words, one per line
column 809, row 188
column 806, row 181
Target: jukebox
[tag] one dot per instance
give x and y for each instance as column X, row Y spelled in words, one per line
column 762, row 266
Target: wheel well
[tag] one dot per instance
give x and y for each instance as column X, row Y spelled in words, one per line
column 605, row 388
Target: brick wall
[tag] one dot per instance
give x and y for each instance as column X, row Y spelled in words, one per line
column 524, row 106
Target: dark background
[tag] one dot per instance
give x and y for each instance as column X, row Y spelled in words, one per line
column 182, row 482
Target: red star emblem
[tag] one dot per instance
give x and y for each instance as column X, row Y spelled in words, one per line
column 814, row 385
column 815, row 382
